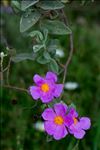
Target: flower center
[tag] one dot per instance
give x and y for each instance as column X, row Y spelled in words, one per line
column 58, row 120
column 45, row 87
column 75, row 120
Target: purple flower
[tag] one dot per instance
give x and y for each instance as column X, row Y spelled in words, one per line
column 79, row 125
column 55, row 124
column 46, row 88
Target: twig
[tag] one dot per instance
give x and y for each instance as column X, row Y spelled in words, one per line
column 16, row 88
column 5, row 69
column 61, row 65
column 71, row 47
column 1, row 75
column 1, row 72
column 8, row 71
column 69, row 58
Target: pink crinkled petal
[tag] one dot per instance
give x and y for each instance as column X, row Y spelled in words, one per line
column 85, row 123
column 60, row 109
column 49, row 127
column 38, row 79
column 48, row 114
column 51, row 76
column 58, row 90
column 35, row 92
column 60, row 132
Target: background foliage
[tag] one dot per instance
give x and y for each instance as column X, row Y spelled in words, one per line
column 18, row 110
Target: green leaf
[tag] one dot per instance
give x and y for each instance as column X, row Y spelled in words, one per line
column 29, row 20
column 46, row 55
column 54, row 66
column 45, row 32
column 49, row 138
column 42, row 60
column 65, row 1
column 38, row 34
column 76, row 147
column 52, row 46
column 27, row 3
column 72, row 105
column 37, row 47
column 51, row 104
column 23, row 56
column 51, row 5
column 55, row 27
column 16, row 4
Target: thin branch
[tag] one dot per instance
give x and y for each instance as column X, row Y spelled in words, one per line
column 1, row 75
column 71, row 47
column 8, row 71
column 61, row 65
column 5, row 69
column 16, row 88
column 69, row 58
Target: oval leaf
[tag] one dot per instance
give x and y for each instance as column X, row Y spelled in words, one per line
column 46, row 55
column 16, row 4
column 29, row 21
column 51, row 5
column 27, row 3
column 23, row 56
column 38, row 34
column 55, row 27
column 37, row 47
column 42, row 60
column 54, row 66
column 65, row 1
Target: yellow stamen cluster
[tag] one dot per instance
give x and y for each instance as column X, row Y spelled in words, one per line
column 45, row 87
column 58, row 120
column 75, row 120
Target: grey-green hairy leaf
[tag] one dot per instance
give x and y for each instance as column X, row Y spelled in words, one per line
column 16, row 4
column 51, row 5
column 27, row 3
column 54, row 66
column 76, row 147
column 55, row 27
column 72, row 105
column 45, row 32
column 42, row 60
column 23, row 56
column 37, row 47
column 52, row 46
column 28, row 21
column 64, row 1
column 38, row 34
column 46, row 55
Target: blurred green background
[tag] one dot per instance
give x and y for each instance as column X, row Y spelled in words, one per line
column 19, row 112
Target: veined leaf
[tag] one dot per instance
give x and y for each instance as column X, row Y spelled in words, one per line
column 37, row 47
column 42, row 60
column 55, row 27
column 27, row 22
column 45, row 32
column 51, row 5
column 52, row 46
column 54, row 66
column 37, row 34
column 64, row 1
column 16, row 4
column 27, row 3
column 46, row 55
column 23, row 56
